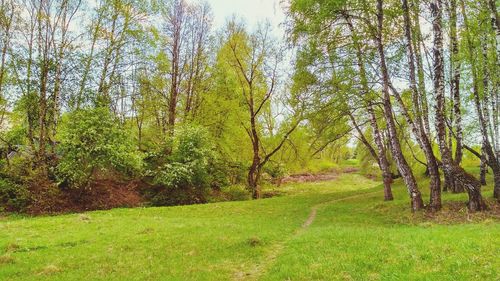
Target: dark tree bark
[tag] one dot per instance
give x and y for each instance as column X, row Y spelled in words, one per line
column 198, row 31
column 43, row 38
column 176, row 19
column 483, row 167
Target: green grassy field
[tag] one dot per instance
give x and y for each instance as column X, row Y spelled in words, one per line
column 353, row 236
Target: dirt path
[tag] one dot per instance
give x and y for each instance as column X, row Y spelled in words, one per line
column 311, row 217
column 311, row 177
column 274, row 251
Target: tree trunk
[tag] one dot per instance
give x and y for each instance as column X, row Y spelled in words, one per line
column 418, row 123
column 459, row 176
column 384, row 164
column 89, row 59
column 403, row 167
column 417, row 42
column 255, row 168
column 7, row 23
column 483, row 168
column 253, row 180
column 382, row 158
column 44, row 68
column 439, row 92
column 488, row 149
column 495, row 24
column 455, row 82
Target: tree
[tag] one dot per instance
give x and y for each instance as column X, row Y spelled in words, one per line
column 404, row 168
column 255, row 61
column 472, row 185
column 381, row 156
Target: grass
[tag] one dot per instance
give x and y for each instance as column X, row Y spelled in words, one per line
column 358, row 238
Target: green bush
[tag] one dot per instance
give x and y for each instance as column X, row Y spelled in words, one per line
column 13, row 197
column 182, row 168
column 92, row 141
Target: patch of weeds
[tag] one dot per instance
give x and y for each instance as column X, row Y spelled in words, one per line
column 84, row 218
column 488, row 221
column 254, row 241
column 147, row 230
column 29, row 249
column 6, row 259
column 272, row 193
column 426, row 224
column 12, row 247
column 49, row 270
column 71, row 244
column 126, row 248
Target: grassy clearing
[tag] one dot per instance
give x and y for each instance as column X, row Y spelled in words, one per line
column 361, row 238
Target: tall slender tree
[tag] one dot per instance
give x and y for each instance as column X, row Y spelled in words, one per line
column 397, row 153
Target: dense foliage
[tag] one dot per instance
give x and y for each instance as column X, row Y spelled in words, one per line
column 183, row 174
column 93, row 144
column 148, row 98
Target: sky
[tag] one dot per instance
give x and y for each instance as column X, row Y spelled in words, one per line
column 251, row 11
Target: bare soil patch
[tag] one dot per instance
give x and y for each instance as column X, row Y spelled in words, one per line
column 325, row 176
column 308, row 177
column 102, row 195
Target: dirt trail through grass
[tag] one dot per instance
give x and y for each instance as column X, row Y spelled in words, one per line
column 310, row 219
column 316, row 231
column 261, row 267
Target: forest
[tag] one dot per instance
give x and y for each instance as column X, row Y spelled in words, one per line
column 145, row 140
column 147, row 95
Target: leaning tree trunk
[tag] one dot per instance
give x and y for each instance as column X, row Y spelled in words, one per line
column 382, row 158
column 418, row 124
column 384, row 163
column 471, row 184
column 418, row 41
column 495, row 165
column 492, row 158
column 403, row 167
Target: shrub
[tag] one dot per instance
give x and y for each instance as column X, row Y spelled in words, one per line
column 92, row 141
column 13, row 197
column 182, row 168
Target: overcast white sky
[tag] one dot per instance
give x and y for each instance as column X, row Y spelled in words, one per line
column 252, row 11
